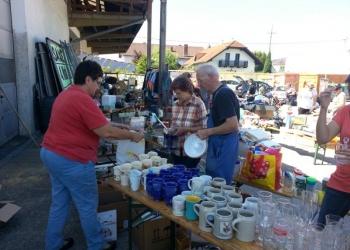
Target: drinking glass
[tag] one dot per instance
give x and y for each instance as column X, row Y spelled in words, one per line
column 267, row 212
column 265, row 196
column 280, row 230
column 301, row 236
column 334, row 218
column 281, row 202
column 310, row 208
column 316, row 239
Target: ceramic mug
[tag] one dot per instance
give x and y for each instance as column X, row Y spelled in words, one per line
column 196, row 184
column 227, row 189
column 136, row 165
column 201, row 210
column 155, row 160
column 208, row 179
column 117, row 173
column 125, row 168
column 179, row 205
column 235, row 197
column 244, row 225
column 222, row 228
column 191, row 200
column 220, row 200
column 213, row 191
column 143, row 156
column 146, row 163
column 218, row 182
column 235, row 207
column 152, row 153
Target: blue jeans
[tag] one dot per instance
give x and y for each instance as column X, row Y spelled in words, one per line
column 72, row 181
column 334, row 202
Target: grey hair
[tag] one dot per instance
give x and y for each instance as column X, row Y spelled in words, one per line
column 208, row 69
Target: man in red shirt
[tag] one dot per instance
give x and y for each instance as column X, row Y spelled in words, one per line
column 69, row 152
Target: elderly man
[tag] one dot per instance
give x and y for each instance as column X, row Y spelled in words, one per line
column 222, row 124
column 338, row 101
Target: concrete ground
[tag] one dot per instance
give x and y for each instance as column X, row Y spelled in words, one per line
column 25, row 181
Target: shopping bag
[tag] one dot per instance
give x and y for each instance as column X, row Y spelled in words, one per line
column 128, row 151
column 264, row 170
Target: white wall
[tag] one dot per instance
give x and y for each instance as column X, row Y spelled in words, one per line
column 243, row 57
column 32, row 22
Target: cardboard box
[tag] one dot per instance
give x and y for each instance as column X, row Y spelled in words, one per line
column 108, row 220
column 257, row 110
column 299, row 120
column 7, row 210
column 182, row 241
column 110, row 200
column 152, row 234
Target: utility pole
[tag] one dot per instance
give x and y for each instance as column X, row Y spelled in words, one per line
column 271, row 33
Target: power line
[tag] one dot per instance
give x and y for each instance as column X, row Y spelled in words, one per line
column 255, row 43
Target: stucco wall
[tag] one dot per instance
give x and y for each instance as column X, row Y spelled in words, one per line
column 243, row 57
column 32, row 22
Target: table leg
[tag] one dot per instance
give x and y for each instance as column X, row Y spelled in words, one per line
column 172, row 235
column 130, row 221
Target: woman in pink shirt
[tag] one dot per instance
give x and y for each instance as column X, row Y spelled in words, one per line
column 337, row 196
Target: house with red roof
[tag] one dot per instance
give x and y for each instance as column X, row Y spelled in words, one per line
column 228, row 57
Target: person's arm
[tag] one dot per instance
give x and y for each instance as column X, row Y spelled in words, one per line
column 325, row 132
column 122, row 126
column 229, row 126
column 110, row 132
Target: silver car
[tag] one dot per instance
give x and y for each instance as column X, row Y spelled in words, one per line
column 280, row 92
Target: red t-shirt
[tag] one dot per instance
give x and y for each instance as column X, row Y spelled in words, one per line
column 74, row 115
column 340, row 179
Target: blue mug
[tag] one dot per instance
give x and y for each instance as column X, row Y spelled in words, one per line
column 194, row 171
column 170, row 190
column 181, row 167
column 178, row 176
column 183, row 185
column 191, row 200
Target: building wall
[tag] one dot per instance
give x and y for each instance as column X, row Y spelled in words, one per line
column 32, row 22
column 243, row 57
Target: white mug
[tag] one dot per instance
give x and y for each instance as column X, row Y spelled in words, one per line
column 207, row 179
column 155, row 160
column 136, row 165
column 152, row 153
column 179, row 205
column 163, row 161
column 245, row 230
column 143, row 156
column 146, row 163
column 125, row 168
column 116, row 172
column 124, row 180
column 196, row 185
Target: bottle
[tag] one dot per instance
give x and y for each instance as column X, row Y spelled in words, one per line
column 324, row 183
column 288, row 182
column 310, row 184
column 300, row 184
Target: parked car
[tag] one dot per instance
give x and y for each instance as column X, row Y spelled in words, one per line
column 280, row 92
column 241, row 90
column 233, row 83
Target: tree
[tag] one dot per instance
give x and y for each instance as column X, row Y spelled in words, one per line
column 170, row 59
column 267, row 64
column 262, row 57
column 137, row 56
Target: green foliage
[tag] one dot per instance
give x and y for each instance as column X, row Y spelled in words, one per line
column 170, row 59
column 267, row 64
column 262, row 57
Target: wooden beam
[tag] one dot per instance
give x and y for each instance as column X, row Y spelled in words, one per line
column 109, row 36
column 128, row 1
column 108, row 50
column 106, row 44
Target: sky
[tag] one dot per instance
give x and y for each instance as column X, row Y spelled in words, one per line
column 300, row 27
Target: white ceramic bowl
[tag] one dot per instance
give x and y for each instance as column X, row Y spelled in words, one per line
column 195, row 147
